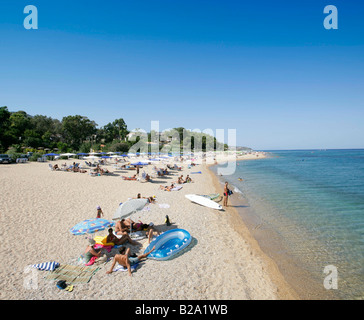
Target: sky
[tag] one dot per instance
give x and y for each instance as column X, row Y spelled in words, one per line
column 268, row 69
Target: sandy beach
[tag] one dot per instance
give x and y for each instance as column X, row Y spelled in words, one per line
column 39, row 206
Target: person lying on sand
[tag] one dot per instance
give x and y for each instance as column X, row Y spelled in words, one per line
column 166, row 188
column 114, row 239
column 151, row 199
column 130, row 178
column 121, row 227
column 124, row 259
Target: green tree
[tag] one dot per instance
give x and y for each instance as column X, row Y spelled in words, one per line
column 6, row 137
column 76, row 129
column 117, row 130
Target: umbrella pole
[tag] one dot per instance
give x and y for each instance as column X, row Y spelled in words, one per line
column 131, row 224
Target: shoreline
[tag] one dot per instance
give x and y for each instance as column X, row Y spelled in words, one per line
column 293, row 281
column 284, row 290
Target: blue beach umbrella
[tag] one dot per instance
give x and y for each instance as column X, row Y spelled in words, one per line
column 91, row 226
column 51, row 155
column 140, row 164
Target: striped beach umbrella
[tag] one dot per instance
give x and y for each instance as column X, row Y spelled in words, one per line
column 91, row 226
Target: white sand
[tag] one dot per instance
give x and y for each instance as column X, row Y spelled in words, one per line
column 39, row 206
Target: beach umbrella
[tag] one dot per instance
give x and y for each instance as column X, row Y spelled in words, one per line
column 51, row 155
column 82, row 154
column 139, row 163
column 129, row 207
column 91, row 226
column 92, row 157
column 67, row 155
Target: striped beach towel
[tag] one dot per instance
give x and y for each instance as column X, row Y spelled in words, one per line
column 46, row 266
column 73, row 274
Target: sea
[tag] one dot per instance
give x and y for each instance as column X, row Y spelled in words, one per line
column 306, row 210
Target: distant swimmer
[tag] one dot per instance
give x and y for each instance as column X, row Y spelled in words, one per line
column 240, row 179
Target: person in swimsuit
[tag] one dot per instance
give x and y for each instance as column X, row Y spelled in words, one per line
column 121, row 227
column 91, row 251
column 226, row 194
column 114, row 239
column 124, row 259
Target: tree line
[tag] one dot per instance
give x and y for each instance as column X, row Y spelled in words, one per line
column 21, row 132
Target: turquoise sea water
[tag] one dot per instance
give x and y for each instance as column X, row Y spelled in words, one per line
column 314, row 201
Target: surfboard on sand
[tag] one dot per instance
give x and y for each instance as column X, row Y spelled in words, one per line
column 211, row 196
column 203, row 201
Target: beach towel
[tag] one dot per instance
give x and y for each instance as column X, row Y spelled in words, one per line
column 73, row 274
column 164, row 205
column 122, row 268
column 176, row 188
column 102, row 240
column 137, row 235
column 101, row 246
column 91, row 262
column 46, row 266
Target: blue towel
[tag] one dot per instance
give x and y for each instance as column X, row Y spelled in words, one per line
column 47, row 266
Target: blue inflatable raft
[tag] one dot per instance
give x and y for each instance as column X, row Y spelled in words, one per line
column 169, row 244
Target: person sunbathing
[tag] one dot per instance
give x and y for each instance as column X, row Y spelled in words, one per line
column 118, row 241
column 124, row 259
column 167, row 188
column 130, row 178
column 55, row 167
column 121, row 227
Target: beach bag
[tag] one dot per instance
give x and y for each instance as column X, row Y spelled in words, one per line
column 61, row 284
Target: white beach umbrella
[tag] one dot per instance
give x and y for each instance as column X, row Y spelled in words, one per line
column 67, row 155
column 92, row 157
column 129, row 207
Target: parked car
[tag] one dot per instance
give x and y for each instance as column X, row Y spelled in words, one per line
column 4, row 158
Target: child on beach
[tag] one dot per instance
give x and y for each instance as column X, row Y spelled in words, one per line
column 99, row 212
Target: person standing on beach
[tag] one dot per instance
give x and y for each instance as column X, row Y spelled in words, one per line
column 226, row 194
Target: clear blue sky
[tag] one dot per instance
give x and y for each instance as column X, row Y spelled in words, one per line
column 268, row 69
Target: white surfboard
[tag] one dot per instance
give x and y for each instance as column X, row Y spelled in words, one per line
column 203, row 201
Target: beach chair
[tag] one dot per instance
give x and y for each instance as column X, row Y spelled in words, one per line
column 144, row 177
column 50, row 167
